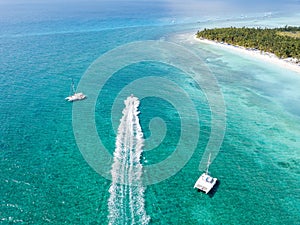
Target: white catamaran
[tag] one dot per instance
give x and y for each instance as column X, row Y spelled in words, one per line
column 205, row 182
column 75, row 96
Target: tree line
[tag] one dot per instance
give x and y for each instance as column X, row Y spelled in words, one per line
column 277, row 40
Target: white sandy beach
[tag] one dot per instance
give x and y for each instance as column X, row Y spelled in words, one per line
column 265, row 56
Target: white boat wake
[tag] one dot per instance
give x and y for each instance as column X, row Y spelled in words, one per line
column 126, row 204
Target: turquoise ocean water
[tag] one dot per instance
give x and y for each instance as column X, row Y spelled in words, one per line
column 44, row 178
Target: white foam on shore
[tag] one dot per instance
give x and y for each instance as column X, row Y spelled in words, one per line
column 264, row 56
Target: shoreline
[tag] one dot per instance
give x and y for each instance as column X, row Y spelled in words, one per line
column 265, row 56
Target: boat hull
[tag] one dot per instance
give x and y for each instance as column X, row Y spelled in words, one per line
column 76, row 97
column 205, row 183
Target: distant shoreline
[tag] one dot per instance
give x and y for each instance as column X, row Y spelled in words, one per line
column 265, row 56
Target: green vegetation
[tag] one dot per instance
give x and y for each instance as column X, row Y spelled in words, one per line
column 290, row 34
column 283, row 42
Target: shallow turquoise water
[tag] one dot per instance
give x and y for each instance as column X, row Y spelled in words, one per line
column 44, row 178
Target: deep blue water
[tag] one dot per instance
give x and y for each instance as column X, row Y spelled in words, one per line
column 44, row 178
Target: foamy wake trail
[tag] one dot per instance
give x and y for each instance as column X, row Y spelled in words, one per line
column 126, row 203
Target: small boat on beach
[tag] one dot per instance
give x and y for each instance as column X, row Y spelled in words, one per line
column 75, row 96
column 205, row 182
